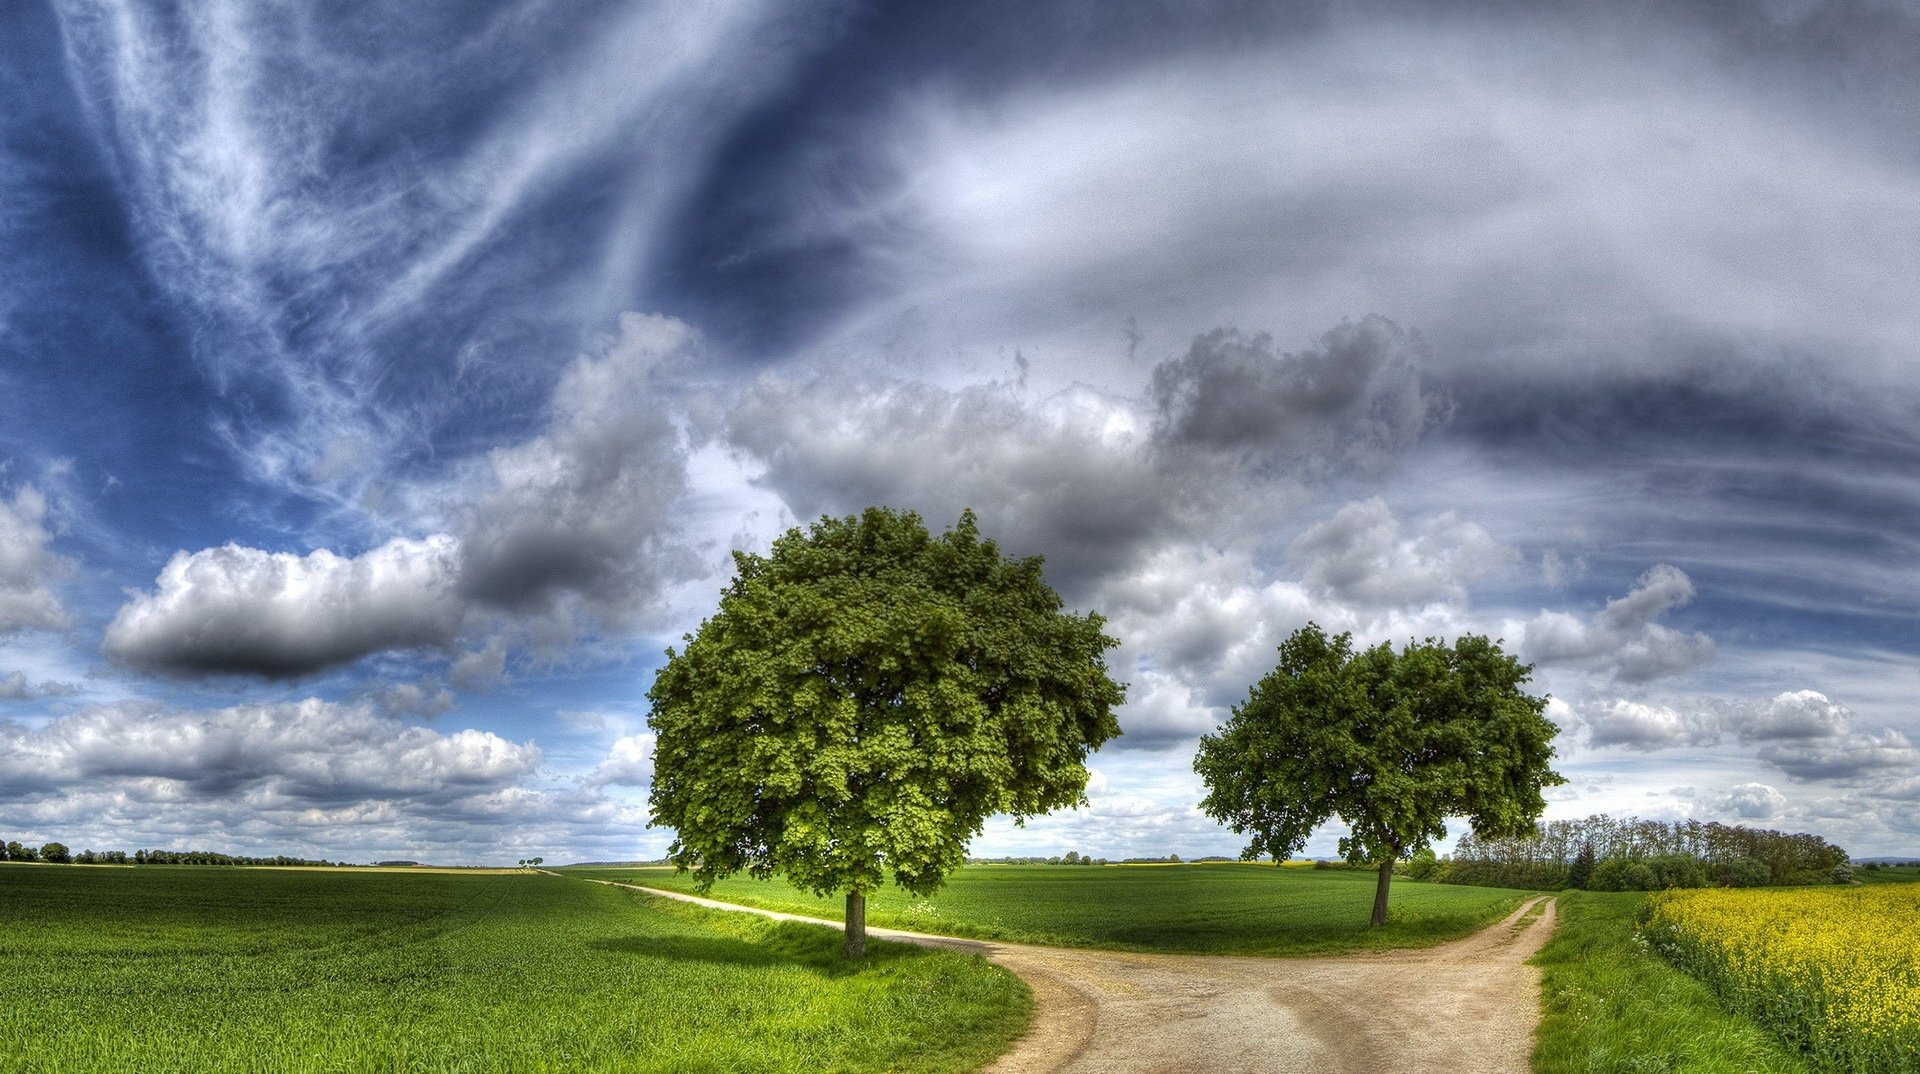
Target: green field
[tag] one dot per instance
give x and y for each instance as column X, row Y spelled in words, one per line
column 1223, row 908
column 181, row 968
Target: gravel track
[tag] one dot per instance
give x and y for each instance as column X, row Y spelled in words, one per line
column 1466, row 1007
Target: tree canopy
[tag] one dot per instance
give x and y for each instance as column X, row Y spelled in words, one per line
column 1392, row 743
column 865, row 697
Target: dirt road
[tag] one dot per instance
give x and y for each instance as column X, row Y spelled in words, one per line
column 1468, row 1007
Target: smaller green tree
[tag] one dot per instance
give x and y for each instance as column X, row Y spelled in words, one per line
column 56, row 852
column 864, row 699
column 1580, row 873
column 1392, row 743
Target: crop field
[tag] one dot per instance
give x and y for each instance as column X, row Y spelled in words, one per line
column 1834, row 971
column 181, row 968
column 1214, row 908
column 1611, row 1005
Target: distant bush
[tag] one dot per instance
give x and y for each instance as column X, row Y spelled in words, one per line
column 1743, row 872
column 1624, row 874
column 1677, row 871
column 1842, row 874
column 1531, row 875
column 1422, row 866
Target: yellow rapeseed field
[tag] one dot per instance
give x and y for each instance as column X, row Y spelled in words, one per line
column 1833, row 970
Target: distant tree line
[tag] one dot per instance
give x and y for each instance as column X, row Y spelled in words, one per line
column 1611, row 854
column 59, row 854
column 1071, row 857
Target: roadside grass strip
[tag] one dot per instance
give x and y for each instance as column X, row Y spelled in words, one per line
column 177, row 969
column 1611, row 1005
column 1214, row 908
column 1832, row 971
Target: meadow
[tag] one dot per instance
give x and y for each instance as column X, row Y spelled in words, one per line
column 1213, row 908
column 208, row 969
column 1831, row 971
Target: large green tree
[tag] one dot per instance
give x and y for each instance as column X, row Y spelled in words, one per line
column 865, row 697
column 1391, row 742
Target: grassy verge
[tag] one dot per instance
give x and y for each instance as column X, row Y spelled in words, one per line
column 1610, row 1005
column 180, row 969
column 1221, row 908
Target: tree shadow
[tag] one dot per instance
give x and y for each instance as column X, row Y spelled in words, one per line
column 719, row 950
column 805, row 947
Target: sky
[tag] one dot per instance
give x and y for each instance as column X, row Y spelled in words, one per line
column 383, row 388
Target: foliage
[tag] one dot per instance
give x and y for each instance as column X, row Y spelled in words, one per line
column 1225, row 908
column 1392, row 743
column 864, row 698
column 1829, row 971
column 1422, row 864
column 1609, row 1005
column 1796, row 858
column 1532, row 876
column 1623, row 874
column 1741, row 871
column 220, row 971
column 1580, row 873
column 55, row 852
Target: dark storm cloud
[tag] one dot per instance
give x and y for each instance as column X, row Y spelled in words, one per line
column 586, row 509
column 1354, row 398
column 1229, row 432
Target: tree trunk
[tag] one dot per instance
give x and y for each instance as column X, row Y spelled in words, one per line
column 856, row 924
column 1380, row 892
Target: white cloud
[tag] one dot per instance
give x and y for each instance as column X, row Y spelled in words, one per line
column 1641, row 726
column 578, row 517
column 15, row 687
column 1754, row 801
column 628, row 763
column 1364, row 557
column 288, row 755
column 311, row 777
column 28, row 565
column 242, row 610
column 1624, row 639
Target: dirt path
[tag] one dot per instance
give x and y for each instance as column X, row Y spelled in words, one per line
column 1467, row 1007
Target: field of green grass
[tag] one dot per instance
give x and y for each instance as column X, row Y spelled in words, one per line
column 1215, row 908
column 1611, row 1005
column 181, row 968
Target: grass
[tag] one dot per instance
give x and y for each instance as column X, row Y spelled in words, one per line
column 1222, row 908
column 1610, row 1005
column 180, row 968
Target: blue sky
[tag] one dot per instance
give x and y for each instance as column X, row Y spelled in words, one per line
column 382, row 391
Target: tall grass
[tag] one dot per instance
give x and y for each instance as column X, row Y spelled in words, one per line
column 184, row 969
column 1216, row 908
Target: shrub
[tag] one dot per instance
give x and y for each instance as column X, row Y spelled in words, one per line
column 1842, row 874
column 1422, row 866
column 1743, row 872
column 1624, row 874
column 1677, row 871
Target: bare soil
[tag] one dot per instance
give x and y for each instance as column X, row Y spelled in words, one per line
column 1467, row 1007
